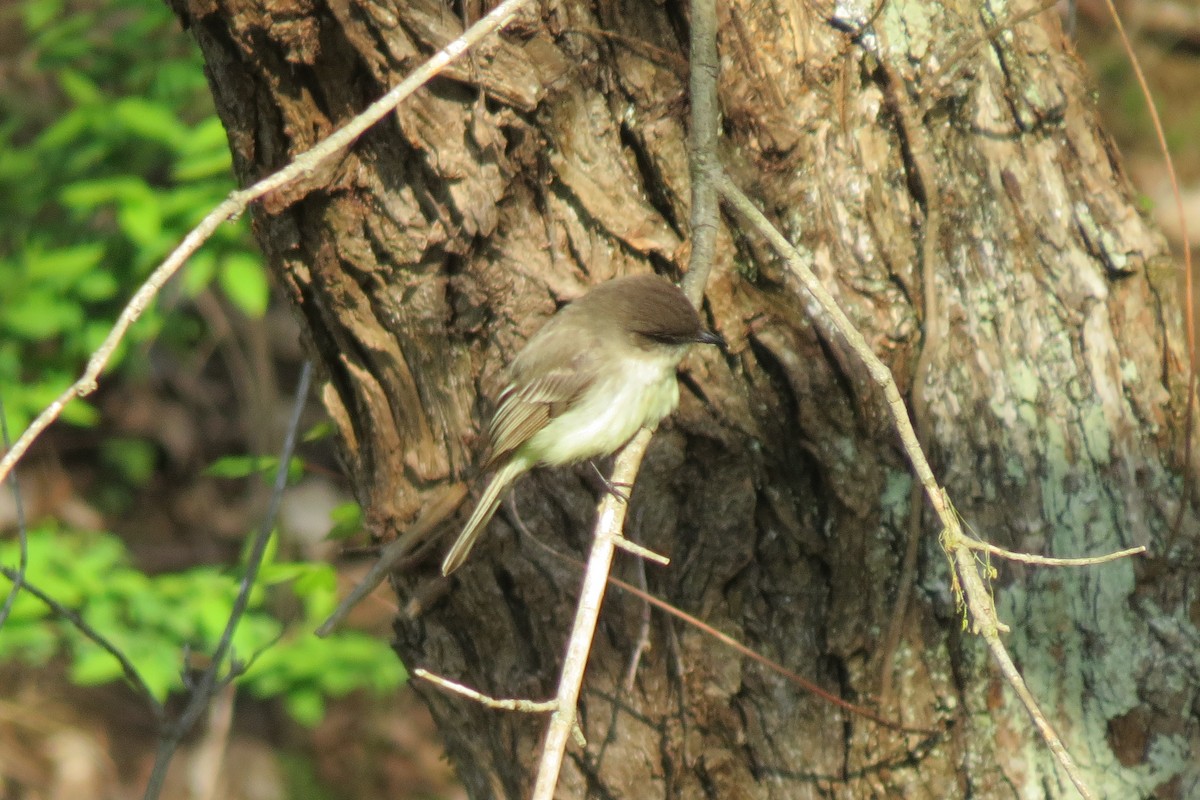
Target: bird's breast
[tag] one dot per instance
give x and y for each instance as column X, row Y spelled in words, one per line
column 610, row 411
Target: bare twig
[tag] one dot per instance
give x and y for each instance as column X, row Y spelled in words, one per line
column 204, row 771
column 441, row 506
column 979, row 601
column 238, row 201
column 774, row 666
column 1047, row 561
column 1189, row 297
column 704, row 168
column 934, row 329
column 210, row 680
column 642, row 644
column 591, row 595
column 633, row 548
column 517, row 704
column 81, row 625
column 704, row 165
column 643, row 594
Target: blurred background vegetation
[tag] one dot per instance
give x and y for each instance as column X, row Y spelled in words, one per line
column 140, row 500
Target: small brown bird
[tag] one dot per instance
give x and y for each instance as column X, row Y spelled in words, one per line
column 602, row 368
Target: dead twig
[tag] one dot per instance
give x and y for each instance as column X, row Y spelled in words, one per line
column 704, row 67
column 978, row 599
column 237, row 202
column 1047, row 561
column 591, row 596
column 213, row 679
column 514, row 704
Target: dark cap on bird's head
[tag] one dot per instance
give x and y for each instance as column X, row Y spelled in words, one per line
column 649, row 306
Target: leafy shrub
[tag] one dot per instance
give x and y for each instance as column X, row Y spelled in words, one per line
column 98, row 184
column 154, row 620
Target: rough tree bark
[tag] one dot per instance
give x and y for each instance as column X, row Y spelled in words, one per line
column 945, row 169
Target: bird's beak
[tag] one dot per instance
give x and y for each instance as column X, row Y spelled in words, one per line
column 708, row 337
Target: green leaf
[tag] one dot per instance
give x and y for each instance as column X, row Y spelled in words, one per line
column 148, row 120
column 199, row 273
column 92, row 666
column 38, row 15
column 41, row 316
column 81, row 413
column 67, row 129
column 79, row 88
column 245, row 466
column 63, row 267
column 92, row 193
column 159, row 667
column 202, row 165
column 322, row 430
column 30, row 643
column 99, row 284
column 244, row 282
column 205, row 138
column 141, row 220
column 347, row 521
column 134, row 459
column 240, row 466
column 305, row 705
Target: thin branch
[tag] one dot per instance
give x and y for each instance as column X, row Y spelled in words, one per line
column 440, row 507
column 702, row 144
column 704, row 68
column 633, row 548
column 774, row 666
column 642, row 644
column 1189, row 297
column 81, row 625
column 934, row 327
column 1048, row 561
column 237, row 202
column 591, row 596
column 979, row 601
column 642, row 593
column 503, row 704
column 210, row 680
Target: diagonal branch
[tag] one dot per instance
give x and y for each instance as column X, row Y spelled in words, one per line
column 210, row 681
column 587, row 612
column 979, row 601
column 237, row 202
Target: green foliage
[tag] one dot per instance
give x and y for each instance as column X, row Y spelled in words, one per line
column 347, row 521
column 245, row 466
column 152, row 619
column 109, row 153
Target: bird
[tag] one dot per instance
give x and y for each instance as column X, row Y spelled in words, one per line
column 599, row 370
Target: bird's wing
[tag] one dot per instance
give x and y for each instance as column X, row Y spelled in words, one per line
column 537, row 395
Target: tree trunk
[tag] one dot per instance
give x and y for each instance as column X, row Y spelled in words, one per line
column 945, row 170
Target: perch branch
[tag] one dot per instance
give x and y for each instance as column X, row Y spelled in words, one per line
column 591, row 596
column 704, row 168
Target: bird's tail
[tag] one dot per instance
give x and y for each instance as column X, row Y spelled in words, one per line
column 483, row 513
